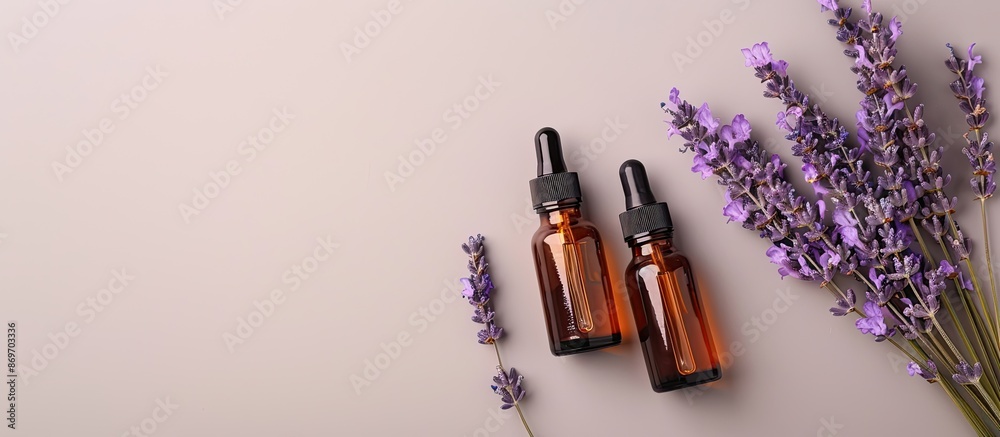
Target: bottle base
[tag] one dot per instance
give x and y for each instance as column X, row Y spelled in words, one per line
column 689, row 381
column 581, row 345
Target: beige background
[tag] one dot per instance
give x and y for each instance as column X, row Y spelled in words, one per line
column 225, row 71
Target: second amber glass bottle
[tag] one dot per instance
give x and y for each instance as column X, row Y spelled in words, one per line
column 676, row 338
column 577, row 298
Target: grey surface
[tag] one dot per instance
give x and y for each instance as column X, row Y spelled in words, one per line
column 802, row 372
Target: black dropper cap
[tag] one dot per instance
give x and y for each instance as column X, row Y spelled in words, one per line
column 643, row 215
column 555, row 187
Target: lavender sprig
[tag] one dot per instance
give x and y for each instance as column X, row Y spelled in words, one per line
column 508, row 386
column 969, row 89
column 829, row 163
column 478, row 290
column 758, row 194
column 878, row 217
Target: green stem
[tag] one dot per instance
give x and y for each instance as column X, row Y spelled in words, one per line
column 975, row 423
column 989, row 263
column 982, row 400
column 947, row 303
column 970, row 415
column 983, row 336
column 952, row 348
column 934, row 320
column 975, row 280
column 497, row 349
column 933, row 345
column 970, row 309
column 920, row 240
column 523, row 422
column 989, row 354
column 989, row 401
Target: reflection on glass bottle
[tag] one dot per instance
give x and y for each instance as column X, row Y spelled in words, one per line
column 573, row 279
column 676, row 338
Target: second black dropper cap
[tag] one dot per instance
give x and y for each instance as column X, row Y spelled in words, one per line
column 643, row 214
column 555, row 187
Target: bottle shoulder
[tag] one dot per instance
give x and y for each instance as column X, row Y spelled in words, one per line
column 633, row 267
column 672, row 260
column 579, row 226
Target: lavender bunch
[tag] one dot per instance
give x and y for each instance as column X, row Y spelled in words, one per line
column 868, row 216
column 758, row 195
column 883, row 230
column 886, row 190
column 478, row 289
column 873, row 48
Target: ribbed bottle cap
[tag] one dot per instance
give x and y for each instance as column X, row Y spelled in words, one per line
column 554, row 183
column 643, row 215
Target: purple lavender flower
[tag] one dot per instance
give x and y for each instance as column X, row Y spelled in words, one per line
column 929, row 371
column 966, row 374
column 735, row 209
column 875, row 322
column 758, row 55
column 973, row 60
column 477, row 288
column 793, row 266
column 508, row 386
column 844, row 306
column 952, row 272
column 490, row 334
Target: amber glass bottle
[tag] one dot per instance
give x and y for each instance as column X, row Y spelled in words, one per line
column 577, row 298
column 676, row 338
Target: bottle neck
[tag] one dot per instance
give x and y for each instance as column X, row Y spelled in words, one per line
column 559, row 216
column 645, row 245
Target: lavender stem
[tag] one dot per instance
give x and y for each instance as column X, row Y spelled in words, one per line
column 989, row 262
